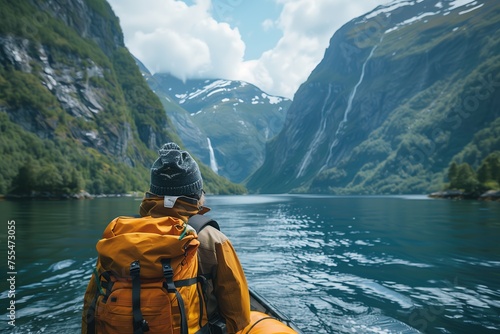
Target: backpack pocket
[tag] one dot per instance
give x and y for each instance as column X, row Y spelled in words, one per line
column 114, row 314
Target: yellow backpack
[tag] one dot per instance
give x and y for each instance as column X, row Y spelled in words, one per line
column 146, row 279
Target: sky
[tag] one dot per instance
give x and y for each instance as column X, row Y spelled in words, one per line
column 273, row 44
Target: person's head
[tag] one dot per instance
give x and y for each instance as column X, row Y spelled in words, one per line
column 175, row 173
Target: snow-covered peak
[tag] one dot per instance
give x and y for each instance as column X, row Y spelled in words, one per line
column 212, row 87
column 225, row 91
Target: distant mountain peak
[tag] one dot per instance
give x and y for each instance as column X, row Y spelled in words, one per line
column 226, row 123
column 224, row 88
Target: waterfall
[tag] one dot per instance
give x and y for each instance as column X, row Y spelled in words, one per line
column 319, row 135
column 213, row 163
column 349, row 106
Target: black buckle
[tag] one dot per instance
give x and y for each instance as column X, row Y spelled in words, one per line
column 135, row 268
column 144, row 325
column 168, row 272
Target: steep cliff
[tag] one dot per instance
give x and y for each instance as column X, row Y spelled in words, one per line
column 75, row 111
column 400, row 93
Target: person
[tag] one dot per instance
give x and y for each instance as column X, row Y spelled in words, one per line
column 176, row 190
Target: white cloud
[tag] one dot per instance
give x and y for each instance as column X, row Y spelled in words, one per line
column 307, row 28
column 267, row 24
column 170, row 36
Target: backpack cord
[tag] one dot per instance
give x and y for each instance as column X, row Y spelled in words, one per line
column 140, row 325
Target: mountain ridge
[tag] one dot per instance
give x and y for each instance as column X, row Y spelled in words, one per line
column 224, row 122
column 359, row 123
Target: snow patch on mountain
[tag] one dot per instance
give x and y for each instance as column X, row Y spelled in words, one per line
column 214, row 87
column 227, row 90
column 412, row 20
column 181, row 97
column 470, row 10
column 195, row 113
column 272, row 99
column 460, row 3
column 387, row 9
column 440, row 10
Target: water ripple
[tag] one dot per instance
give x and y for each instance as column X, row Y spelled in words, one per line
column 399, row 264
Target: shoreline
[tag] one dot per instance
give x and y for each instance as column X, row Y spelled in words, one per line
column 56, row 197
column 490, row 195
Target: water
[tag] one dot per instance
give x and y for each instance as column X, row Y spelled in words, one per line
column 333, row 264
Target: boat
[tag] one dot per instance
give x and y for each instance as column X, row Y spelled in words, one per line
column 266, row 318
column 279, row 323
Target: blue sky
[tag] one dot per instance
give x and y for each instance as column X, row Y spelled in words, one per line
column 249, row 18
column 273, row 44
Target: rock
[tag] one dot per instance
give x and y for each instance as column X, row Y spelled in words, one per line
column 490, row 195
column 454, row 194
column 82, row 195
column 14, row 51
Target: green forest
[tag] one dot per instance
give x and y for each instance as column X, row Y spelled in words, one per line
column 472, row 182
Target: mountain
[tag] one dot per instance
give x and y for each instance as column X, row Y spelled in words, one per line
column 225, row 123
column 75, row 111
column 400, row 93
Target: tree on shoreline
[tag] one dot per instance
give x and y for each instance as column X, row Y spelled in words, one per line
column 463, row 177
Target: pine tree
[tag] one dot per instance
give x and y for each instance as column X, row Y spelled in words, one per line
column 25, row 180
column 452, row 175
column 466, row 179
column 489, row 171
column 483, row 173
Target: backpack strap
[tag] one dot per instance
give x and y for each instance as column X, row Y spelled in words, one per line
column 91, row 323
column 198, row 222
column 140, row 325
column 169, row 285
column 90, row 316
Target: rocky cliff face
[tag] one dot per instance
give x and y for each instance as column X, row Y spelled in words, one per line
column 76, row 78
column 66, row 77
column 70, row 85
column 400, row 92
column 89, row 19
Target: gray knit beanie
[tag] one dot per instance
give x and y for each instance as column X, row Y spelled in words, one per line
column 175, row 173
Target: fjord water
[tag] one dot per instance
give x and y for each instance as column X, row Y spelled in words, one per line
column 333, row 264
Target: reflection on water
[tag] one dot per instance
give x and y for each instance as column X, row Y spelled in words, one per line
column 333, row 264
column 219, row 201
column 368, row 264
